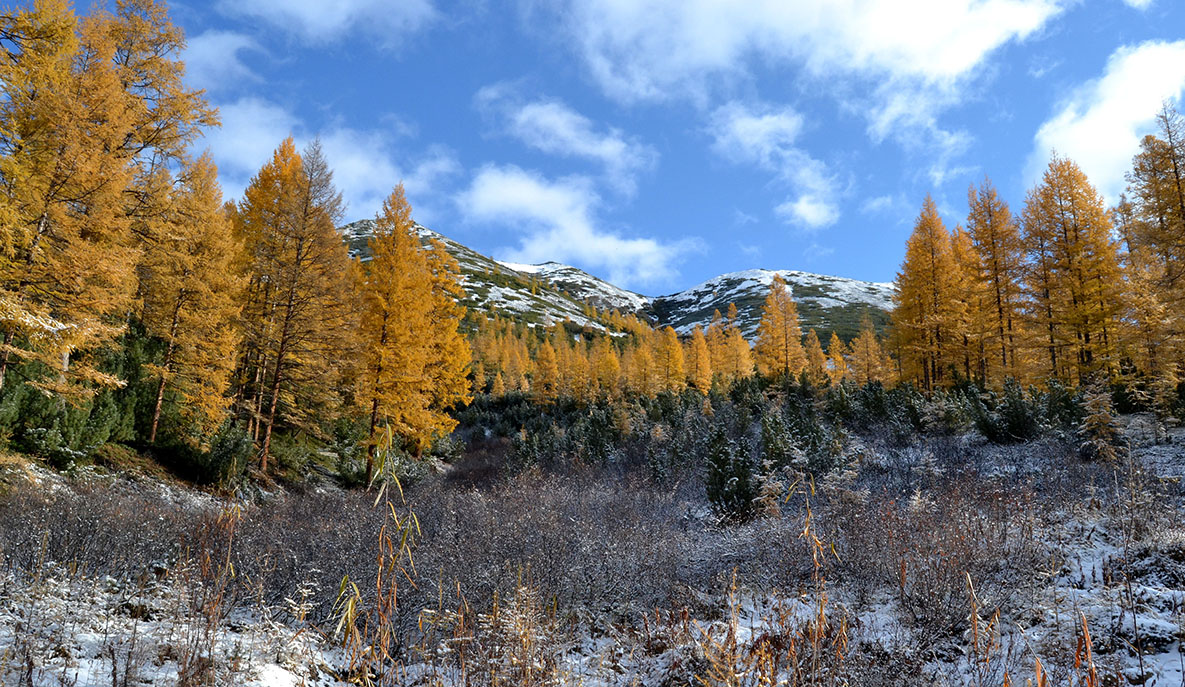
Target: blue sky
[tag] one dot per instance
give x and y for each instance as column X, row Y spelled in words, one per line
column 658, row 143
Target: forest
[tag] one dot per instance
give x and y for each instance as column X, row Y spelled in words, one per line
column 237, row 452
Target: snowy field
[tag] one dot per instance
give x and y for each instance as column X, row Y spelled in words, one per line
column 918, row 566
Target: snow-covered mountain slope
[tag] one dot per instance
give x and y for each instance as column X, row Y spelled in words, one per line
column 493, row 287
column 824, row 303
column 551, row 292
column 584, row 286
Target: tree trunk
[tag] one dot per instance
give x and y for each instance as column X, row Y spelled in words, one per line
column 164, row 375
column 374, row 405
column 370, row 448
column 8, row 337
column 265, row 452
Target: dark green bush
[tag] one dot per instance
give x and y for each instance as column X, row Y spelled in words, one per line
column 730, row 481
column 231, row 451
column 1012, row 417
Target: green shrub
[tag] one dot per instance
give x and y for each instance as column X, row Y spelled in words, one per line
column 731, row 481
column 1013, row 417
column 231, row 451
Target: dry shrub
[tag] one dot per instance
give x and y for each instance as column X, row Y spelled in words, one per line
column 515, row 642
column 924, row 547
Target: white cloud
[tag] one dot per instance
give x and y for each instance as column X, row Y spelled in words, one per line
column 364, row 168
column 327, row 20
column 552, row 127
column 808, row 210
column 740, row 218
column 363, row 162
column 647, row 49
column 1139, row 4
column 213, row 60
column 879, row 204
column 766, row 137
column 816, row 252
column 1101, row 124
column 897, row 64
column 251, row 129
column 557, row 220
column 761, row 135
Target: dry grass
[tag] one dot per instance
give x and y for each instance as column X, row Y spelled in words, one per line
column 499, row 585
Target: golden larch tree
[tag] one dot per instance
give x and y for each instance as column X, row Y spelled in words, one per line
column 1151, row 221
column 967, row 357
column 606, row 368
column 67, row 268
column 413, row 366
column 299, row 314
column 999, row 271
column 925, row 316
column 738, row 362
column 190, row 286
column 640, row 371
column 837, row 352
column 869, row 362
column 1074, row 289
column 816, row 360
column 450, row 355
column 668, row 360
column 94, row 119
column 1147, row 321
column 699, row 361
column 717, row 339
column 547, row 372
column 778, row 350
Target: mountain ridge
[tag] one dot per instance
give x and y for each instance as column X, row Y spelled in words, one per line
column 547, row 292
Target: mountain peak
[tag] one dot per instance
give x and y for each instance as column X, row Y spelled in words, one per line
column 549, row 292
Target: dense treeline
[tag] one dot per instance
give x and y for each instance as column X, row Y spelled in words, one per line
column 1070, row 290
column 136, row 308
column 586, row 364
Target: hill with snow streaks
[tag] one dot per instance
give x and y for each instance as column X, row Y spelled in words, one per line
column 493, row 287
column 551, row 292
column 583, row 286
column 825, row 303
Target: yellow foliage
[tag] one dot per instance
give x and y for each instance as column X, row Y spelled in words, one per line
column 191, row 287
column 299, row 314
column 926, row 312
column 699, row 361
column 1074, row 279
column 816, row 360
column 415, row 359
column 778, row 350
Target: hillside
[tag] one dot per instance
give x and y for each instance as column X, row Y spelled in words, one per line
column 825, row 303
column 582, row 285
column 491, row 286
column 551, row 291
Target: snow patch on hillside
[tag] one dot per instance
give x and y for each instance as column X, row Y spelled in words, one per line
column 693, row 306
column 552, row 291
column 583, row 286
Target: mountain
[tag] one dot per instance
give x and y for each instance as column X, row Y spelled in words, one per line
column 552, row 292
column 824, row 303
column 582, row 285
column 493, row 287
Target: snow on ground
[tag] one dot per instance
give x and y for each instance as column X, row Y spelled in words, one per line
column 747, row 282
column 752, row 285
column 521, row 267
column 65, row 629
